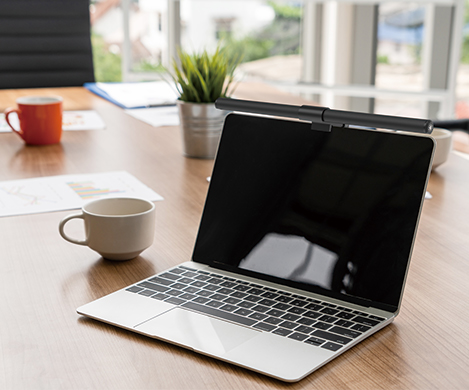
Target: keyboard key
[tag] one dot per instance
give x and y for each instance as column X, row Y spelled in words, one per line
column 255, row 291
column 211, row 287
column 284, row 299
column 232, row 301
column 218, row 297
column 314, row 341
column 298, row 336
column 345, row 315
column 258, row 316
column 313, row 306
column 269, row 295
column 343, row 323
column 282, row 306
column 187, row 296
column 204, row 293
column 264, row 326
column 331, row 337
column 219, row 313
column 174, row 292
column 273, row 320
column 267, row 302
column 239, row 294
column 331, row 346
column 203, row 278
column 198, row 284
column 178, row 286
column 228, row 284
column 228, row 307
column 189, row 274
column 376, row 318
column 298, row 302
column 345, row 332
column 191, row 290
column 215, row 280
column 275, row 313
column 288, row 324
column 303, row 329
column 246, row 305
column 243, row 312
column 329, row 311
column 134, row 289
column 321, row 325
column 290, row 317
column 328, row 304
column 185, row 280
column 365, row 321
column 201, row 300
column 253, row 298
column 359, row 313
column 175, row 301
column 282, row 331
column 241, row 287
column 170, row 276
column 296, row 310
column 260, row 308
column 147, row 293
column 153, row 286
column 160, row 297
column 361, row 328
column 306, row 321
column 215, row 303
column 177, row 271
column 328, row 319
column 226, row 291
column 164, row 282
column 312, row 314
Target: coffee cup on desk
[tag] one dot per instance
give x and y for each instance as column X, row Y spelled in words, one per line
column 40, row 119
column 116, row 228
column 444, row 142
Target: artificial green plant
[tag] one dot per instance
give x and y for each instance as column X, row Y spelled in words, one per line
column 204, row 77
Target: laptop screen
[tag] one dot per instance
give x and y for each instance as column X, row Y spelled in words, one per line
column 332, row 213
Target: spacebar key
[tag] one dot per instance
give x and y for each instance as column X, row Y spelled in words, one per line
column 219, row 313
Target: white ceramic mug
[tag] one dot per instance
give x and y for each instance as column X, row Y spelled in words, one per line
column 444, row 142
column 116, row 228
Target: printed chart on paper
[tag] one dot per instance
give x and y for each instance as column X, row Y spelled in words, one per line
column 65, row 192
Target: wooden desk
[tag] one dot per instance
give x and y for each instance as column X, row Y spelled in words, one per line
column 43, row 279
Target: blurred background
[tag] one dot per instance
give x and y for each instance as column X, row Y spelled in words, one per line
column 397, row 58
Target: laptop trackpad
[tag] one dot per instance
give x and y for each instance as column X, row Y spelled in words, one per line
column 197, row 331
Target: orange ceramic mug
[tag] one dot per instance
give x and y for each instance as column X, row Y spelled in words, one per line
column 40, row 119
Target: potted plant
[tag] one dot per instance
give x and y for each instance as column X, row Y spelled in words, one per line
column 201, row 78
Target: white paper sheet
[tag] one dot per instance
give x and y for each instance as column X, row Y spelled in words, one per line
column 156, row 116
column 54, row 193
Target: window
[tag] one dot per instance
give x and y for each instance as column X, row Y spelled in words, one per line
column 363, row 56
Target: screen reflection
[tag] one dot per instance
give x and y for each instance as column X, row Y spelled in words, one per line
column 335, row 212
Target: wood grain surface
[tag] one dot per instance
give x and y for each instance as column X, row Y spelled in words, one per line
column 44, row 344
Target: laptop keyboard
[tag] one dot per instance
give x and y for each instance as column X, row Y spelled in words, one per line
column 297, row 317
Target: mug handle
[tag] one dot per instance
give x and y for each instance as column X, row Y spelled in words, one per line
column 64, row 235
column 8, row 111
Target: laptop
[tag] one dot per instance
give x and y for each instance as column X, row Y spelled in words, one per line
column 302, row 250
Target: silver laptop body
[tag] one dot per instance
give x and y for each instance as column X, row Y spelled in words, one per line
column 302, row 250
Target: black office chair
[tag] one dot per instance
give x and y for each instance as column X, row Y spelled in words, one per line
column 45, row 43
